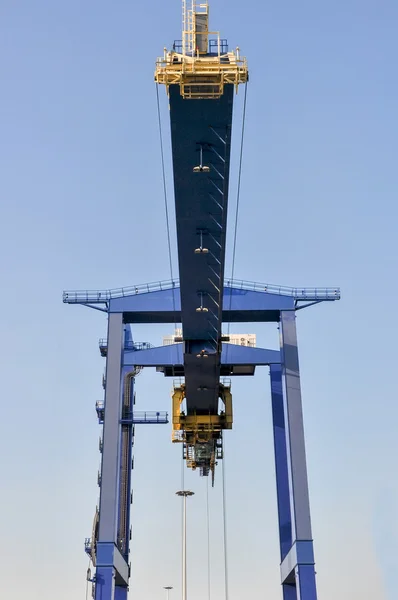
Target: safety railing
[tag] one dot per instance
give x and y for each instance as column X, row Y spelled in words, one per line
column 215, row 46
column 219, row 46
column 103, row 296
column 136, row 417
column 305, row 293
column 150, row 417
column 129, row 345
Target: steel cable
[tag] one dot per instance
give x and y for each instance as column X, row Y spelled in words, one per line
column 164, row 184
column 208, row 537
column 166, row 208
column 238, row 198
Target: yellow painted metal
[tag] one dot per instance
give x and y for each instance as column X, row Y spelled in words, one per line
column 198, row 74
column 226, row 397
column 178, row 397
column 199, row 427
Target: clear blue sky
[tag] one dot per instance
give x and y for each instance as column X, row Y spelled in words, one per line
column 82, row 207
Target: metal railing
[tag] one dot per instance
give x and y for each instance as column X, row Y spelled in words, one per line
column 304, row 293
column 218, row 46
column 103, row 296
column 150, row 417
column 129, row 345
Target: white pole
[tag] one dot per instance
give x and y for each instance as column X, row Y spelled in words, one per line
column 184, row 553
column 168, row 588
column 184, row 494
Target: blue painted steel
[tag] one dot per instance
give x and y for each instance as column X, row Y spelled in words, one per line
column 112, row 546
column 304, row 294
column 289, row 592
column 297, row 565
column 104, row 583
column 301, row 553
column 305, row 577
column 201, row 128
column 172, row 355
column 121, row 593
column 281, row 465
column 239, row 306
column 110, row 470
column 125, row 468
column 297, row 467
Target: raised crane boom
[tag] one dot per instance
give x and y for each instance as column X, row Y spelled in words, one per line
column 200, row 75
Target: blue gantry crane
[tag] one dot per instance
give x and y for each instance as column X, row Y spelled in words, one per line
column 200, row 75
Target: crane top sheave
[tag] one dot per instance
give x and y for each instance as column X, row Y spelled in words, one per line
column 200, row 76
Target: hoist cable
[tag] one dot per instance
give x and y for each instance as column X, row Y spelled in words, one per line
column 238, row 198
column 208, row 538
column 164, row 183
column 224, row 510
column 166, row 208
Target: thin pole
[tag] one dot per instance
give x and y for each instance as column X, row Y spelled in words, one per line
column 184, row 553
column 184, row 494
column 224, row 506
column 168, row 588
column 208, row 537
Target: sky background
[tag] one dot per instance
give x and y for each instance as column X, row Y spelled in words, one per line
column 81, row 206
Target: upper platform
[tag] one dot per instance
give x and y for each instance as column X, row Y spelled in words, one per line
column 199, row 64
column 244, row 301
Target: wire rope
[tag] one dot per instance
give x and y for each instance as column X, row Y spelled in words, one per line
column 208, row 538
column 166, row 208
column 238, row 198
column 164, row 185
column 224, row 510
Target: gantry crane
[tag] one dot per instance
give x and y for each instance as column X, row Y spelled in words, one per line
column 201, row 76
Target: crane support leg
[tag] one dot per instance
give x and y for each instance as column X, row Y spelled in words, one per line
column 111, row 567
column 121, row 593
column 246, row 303
column 296, row 546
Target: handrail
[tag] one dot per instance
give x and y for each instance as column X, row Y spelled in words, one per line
column 103, row 296
column 129, row 345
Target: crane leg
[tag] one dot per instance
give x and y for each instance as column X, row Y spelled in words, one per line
column 121, row 593
column 111, row 565
column 295, row 535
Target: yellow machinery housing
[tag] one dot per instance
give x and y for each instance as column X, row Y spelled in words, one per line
column 201, row 434
column 200, row 73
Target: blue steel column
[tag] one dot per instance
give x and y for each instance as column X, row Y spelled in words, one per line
column 126, row 460
column 281, row 466
column 297, row 568
column 111, row 566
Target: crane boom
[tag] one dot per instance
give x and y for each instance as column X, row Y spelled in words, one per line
column 200, row 75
